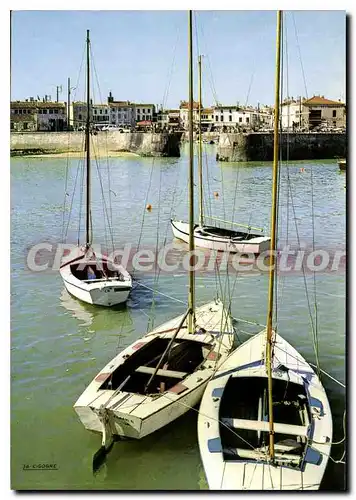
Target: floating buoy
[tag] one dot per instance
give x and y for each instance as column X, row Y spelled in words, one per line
column 149, row 207
column 216, row 194
column 302, row 169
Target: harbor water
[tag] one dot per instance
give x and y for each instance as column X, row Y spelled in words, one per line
column 59, row 344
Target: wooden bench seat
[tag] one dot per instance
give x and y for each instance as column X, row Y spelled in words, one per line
column 259, row 425
column 162, row 373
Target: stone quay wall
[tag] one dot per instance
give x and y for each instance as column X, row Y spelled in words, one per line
column 255, row 146
column 142, row 143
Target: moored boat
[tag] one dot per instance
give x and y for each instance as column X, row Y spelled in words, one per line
column 88, row 275
column 131, row 398
column 221, row 239
column 213, row 236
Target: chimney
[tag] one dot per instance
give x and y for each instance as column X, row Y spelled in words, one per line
column 110, row 98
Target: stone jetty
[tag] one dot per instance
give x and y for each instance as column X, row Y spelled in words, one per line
column 257, row 146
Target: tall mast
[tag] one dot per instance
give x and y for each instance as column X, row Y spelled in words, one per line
column 191, row 295
column 273, row 236
column 200, row 156
column 87, row 143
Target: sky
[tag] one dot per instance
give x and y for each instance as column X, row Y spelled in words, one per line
column 142, row 56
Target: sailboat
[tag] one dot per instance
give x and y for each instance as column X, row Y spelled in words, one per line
column 244, row 241
column 265, row 421
column 89, row 275
column 163, row 374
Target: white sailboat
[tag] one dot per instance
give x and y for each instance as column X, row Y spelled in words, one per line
column 265, row 422
column 213, row 237
column 164, row 373
column 88, row 275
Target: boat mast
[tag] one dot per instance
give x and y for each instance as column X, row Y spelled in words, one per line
column 191, row 297
column 200, row 156
column 273, row 244
column 87, row 143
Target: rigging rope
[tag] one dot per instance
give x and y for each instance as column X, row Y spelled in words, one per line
column 300, row 56
column 107, row 151
column 65, row 232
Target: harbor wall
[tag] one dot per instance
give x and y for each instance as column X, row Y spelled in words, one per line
column 142, row 143
column 256, row 146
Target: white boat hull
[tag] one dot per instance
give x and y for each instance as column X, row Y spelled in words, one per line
column 136, row 414
column 104, row 292
column 253, row 473
column 255, row 245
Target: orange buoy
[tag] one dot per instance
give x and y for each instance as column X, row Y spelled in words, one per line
column 216, row 194
column 149, row 207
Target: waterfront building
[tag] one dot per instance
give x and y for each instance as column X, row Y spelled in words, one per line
column 207, row 119
column 168, row 119
column 144, row 112
column 316, row 112
column 122, row 113
column 99, row 115
column 183, row 113
column 234, row 117
column 35, row 115
column 325, row 112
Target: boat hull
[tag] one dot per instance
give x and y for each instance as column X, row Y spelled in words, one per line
column 105, row 292
column 107, row 296
column 136, row 414
column 239, row 473
column 134, row 427
column 255, row 246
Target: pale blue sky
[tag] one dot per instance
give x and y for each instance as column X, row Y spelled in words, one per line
column 138, row 53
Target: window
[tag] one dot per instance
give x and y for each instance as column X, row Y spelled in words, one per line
column 334, row 113
column 16, row 111
column 240, row 119
column 20, row 111
column 12, row 126
column 25, row 126
column 216, row 118
column 56, row 111
column 222, row 118
column 44, row 111
column 138, row 111
column 94, row 111
column 101, row 111
column 334, row 123
column 230, row 118
column 247, row 119
column 80, row 116
column 230, row 112
column 138, row 117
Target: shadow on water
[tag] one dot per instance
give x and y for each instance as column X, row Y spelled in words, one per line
column 150, row 463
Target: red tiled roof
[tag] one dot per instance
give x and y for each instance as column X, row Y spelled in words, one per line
column 185, row 105
column 318, row 100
